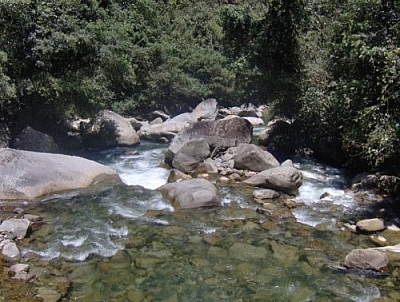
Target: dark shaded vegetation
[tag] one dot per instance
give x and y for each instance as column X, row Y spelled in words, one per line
column 330, row 66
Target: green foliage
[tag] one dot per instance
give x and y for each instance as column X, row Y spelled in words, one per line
column 351, row 93
column 331, row 66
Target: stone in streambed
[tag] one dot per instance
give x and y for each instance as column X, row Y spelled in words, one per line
column 265, row 194
column 244, row 251
column 18, row 227
column 285, row 179
column 48, row 294
column 192, row 193
column 27, row 175
column 370, row 225
column 367, row 259
column 147, row 262
column 252, row 157
column 110, row 129
column 190, row 155
column 11, row 251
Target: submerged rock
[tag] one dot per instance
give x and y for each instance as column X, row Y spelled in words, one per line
column 193, row 193
column 27, row 175
column 244, row 251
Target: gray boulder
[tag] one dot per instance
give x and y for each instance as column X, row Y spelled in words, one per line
column 164, row 132
column 370, row 225
column 186, row 117
column 284, row 179
column 193, row 193
column 17, row 227
column 30, row 139
column 265, row 194
column 252, row 157
column 190, row 155
column 176, row 176
column 27, row 175
column 110, row 129
column 221, row 134
column 367, row 259
column 11, row 251
column 206, row 110
column 161, row 114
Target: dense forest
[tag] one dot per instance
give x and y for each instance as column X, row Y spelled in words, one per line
column 330, row 66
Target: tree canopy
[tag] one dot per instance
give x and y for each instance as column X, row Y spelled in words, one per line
column 332, row 67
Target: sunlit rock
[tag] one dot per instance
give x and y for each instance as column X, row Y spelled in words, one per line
column 110, row 129
column 190, row 155
column 206, row 110
column 265, row 194
column 18, row 227
column 192, row 193
column 176, row 176
column 367, row 259
column 27, row 175
column 252, row 157
column 284, row 179
column 11, row 251
column 370, row 225
column 218, row 134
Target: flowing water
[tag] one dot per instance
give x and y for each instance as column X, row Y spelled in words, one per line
column 128, row 244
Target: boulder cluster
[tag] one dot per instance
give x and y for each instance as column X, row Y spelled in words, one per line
column 208, row 148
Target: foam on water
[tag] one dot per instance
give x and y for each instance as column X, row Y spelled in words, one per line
column 142, row 168
column 319, row 179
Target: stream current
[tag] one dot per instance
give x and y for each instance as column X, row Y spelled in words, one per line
column 127, row 243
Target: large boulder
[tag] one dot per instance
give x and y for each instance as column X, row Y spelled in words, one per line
column 191, row 155
column 367, row 259
column 370, row 225
column 30, row 139
column 221, row 134
column 16, row 227
column 252, row 157
column 285, row 179
column 193, row 193
column 110, row 129
column 27, row 175
column 206, row 110
column 164, row 132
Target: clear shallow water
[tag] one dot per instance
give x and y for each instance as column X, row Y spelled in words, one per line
column 128, row 244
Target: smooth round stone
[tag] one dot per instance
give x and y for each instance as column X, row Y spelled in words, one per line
column 371, row 225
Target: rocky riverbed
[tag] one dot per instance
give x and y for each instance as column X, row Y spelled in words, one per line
column 234, row 224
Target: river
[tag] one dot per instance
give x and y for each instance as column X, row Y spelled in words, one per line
column 128, row 244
